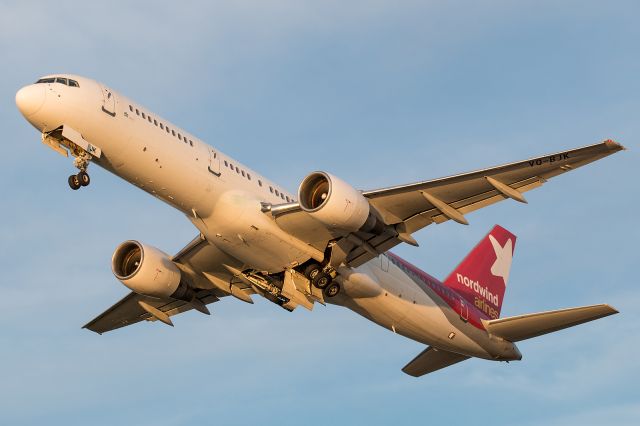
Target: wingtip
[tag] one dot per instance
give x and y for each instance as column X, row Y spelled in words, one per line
column 613, row 145
column 606, row 309
column 409, row 373
column 85, row 327
column 612, row 310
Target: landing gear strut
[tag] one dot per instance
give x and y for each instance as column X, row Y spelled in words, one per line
column 82, row 178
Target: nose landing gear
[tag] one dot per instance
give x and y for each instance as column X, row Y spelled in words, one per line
column 74, row 182
column 82, row 178
column 79, row 180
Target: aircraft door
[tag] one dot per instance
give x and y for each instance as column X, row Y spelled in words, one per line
column 108, row 101
column 464, row 310
column 214, row 162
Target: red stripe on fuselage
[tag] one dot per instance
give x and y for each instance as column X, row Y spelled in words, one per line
column 452, row 298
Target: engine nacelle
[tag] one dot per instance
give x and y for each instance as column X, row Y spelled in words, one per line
column 145, row 270
column 334, row 202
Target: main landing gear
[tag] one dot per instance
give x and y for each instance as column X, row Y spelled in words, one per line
column 322, row 279
column 82, row 178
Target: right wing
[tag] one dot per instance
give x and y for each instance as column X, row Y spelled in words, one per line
column 430, row 360
column 129, row 311
column 195, row 260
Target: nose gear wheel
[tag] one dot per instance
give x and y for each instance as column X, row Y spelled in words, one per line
column 74, row 182
column 84, row 178
column 82, row 163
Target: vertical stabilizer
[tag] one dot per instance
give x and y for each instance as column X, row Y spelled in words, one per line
column 481, row 278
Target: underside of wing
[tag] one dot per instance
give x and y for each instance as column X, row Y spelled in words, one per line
column 203, row 268
column 409, row 208
column 134, row 308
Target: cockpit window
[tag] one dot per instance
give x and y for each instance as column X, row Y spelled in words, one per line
column 61, row 80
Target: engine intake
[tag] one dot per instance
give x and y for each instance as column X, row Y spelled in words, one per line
column 337, row 204
column 146, row 270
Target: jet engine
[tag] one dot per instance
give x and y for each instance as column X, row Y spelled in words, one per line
column 145, row 270
column 337, row 204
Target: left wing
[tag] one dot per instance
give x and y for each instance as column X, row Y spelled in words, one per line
column 409, row 208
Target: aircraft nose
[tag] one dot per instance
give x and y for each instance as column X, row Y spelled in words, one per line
column 30, row 98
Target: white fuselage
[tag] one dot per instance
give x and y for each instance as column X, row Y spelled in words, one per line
column 223, row 197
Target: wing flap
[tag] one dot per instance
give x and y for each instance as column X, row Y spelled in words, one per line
column 522, row 327
column 430, row 360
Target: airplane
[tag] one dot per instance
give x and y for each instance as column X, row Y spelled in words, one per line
column 329, row 243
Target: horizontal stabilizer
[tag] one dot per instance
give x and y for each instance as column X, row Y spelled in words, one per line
column 524, row 327
column 430, row 360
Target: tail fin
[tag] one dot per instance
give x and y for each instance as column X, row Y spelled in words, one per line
column 481, row 278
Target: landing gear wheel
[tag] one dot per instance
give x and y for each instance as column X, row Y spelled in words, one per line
column 321, row 280
column 312, row 270
column 332, row 290
column 74, row 182
column 84, row 178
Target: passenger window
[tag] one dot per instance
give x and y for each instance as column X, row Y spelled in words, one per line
column 237, row 170
column 179, row 136
column 191, row 143
column 62, row 80
column 248, row 176
column 137, row 111
column 259, row 182
column 271, row 189
column 167, row 129
column 173, row 132
column 130, row 108
column 231, row 166
column 149, row 117
column 74, row 83
column 243, row 175
column 226, row 164
column 143, row 115
column 277, row 193
column 162, row 126
column 155, row 122
column 288, row 200
column 282, row 195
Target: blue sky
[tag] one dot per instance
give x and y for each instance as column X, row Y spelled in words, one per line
column 379, row 93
